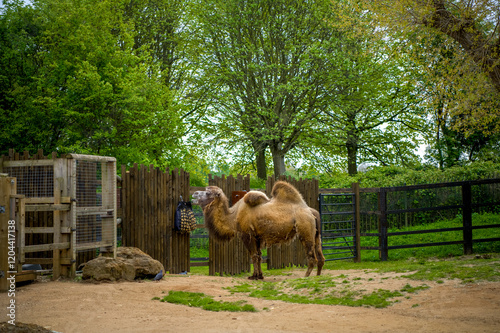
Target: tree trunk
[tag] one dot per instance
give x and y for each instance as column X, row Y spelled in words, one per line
column 260, row 161
column 352, row 152
column 439, row 145
column 278, row 159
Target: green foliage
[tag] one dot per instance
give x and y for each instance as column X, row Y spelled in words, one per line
column 460, row 84
column 398, row 176
column 232, row 87
column 269, row 70
column 84, row 87
column 205, row 302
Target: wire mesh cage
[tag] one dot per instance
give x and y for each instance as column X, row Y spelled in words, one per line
column 35, row 181
column 70, row 206
column 95, row 202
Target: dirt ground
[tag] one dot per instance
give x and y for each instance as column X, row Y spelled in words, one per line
column 66, row 306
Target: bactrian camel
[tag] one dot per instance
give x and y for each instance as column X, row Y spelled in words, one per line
column 261, row 222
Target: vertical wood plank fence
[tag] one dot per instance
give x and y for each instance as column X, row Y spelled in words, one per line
column 149, row 197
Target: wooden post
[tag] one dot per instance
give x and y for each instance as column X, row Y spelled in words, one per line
column 108, row 186
column 21, row 241
column 5, row 222
column 383, row 241
column 19, row 223
column 467, row 217
column 58, row 188
column 72, row 181
column 357, row 221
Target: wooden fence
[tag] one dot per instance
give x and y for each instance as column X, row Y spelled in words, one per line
column 149, row 197
column 466, row 206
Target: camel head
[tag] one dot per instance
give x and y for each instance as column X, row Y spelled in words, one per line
column 219, row 219
column 204, row 198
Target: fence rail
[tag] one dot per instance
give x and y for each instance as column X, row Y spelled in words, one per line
column 466, row 207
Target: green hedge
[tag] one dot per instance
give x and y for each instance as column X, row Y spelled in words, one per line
column 399, row 176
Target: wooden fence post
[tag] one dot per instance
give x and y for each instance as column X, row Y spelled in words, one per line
column 5, row 217
column 357, row 221
column 384, row 251
column 467, row 217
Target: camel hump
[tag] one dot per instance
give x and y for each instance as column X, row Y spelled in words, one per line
column 284, row 191
column 255, row 198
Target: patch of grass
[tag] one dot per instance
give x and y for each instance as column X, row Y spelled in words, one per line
column 317, row 290
column 205, row 302
column 468, row 271
column 337, row 290
column 409, row 289
column 465, row 268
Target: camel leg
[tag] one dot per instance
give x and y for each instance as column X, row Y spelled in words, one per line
column 319, row 254
column 253, row 247
column 311, row 256
column 317, row 241
column 257, row 269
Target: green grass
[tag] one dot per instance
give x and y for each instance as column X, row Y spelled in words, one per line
column 346, row 288
column 464, row 268
column 205, row 302
column 326, row 290
column 340, row 289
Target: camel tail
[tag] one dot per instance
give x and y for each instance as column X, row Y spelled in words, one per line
column 317, row 217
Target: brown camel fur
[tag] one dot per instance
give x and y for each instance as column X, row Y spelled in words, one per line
column 261, row 222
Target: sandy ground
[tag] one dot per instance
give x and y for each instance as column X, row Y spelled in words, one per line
column 66, row 306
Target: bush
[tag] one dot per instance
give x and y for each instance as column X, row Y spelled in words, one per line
column 398, row 176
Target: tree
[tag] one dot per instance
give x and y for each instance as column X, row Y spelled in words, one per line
column 269, row 65
column 471, row 28
column 22, row 124
column 96, row 92
column 474, row 25
column 376, row 115
column 459, row 104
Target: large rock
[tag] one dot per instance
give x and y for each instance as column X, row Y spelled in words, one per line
column 130, row 264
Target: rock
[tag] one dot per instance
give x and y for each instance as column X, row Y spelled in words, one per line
column 130, row 264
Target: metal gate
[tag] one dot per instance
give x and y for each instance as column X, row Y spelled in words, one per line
column 338, row 225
